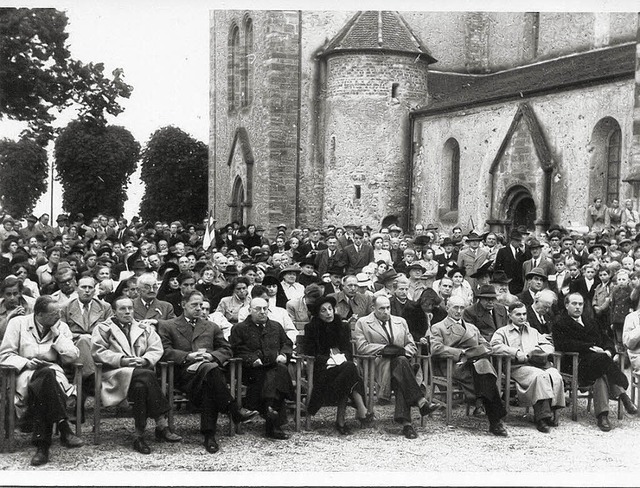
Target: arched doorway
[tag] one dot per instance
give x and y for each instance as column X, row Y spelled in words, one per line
column 237, row 201
column 520, row 208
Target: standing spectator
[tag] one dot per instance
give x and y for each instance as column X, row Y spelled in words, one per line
column 510, row 260
column 596, row 214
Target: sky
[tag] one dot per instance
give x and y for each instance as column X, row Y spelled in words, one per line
column 163, row 48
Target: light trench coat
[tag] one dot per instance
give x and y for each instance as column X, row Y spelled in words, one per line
column 21, row 343
column 631, row 339
column 532, row 382
column 110, row 345
column 371, row 338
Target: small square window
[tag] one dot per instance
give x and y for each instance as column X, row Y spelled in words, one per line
column 358, row 192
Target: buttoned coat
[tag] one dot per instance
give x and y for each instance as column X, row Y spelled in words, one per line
column 158, row 310
column 22, row 342
column 534, row 322
column 532, row 383
column 361, row 305
column 371, row 339
column 179, row 338
column 631, row 339
column 324, row 262
column 250, row 342
column 72, row 316
column 110, row 345
column 471, row 261
column 447, row 339
column 545, row 264
column 358, row 260
column 512, row 266
column 483, row 320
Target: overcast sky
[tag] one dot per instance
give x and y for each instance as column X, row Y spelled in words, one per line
column 163, row 48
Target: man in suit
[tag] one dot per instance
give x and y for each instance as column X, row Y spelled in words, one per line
column 387, row 337
column 456, row 338
column 539, row 313
column 313, row 246
column 573, row 333
column 536, row 281
column 82, row 314
column 67, row 284
column 129, row 351
column 487, row 315
column 34, row 344
column 331, row 257
column 13, row 303
column 472, row 257
column 537, row 259
column 450, row 254
column 510, row 259
column 358, row 254
column 264, row 348
column 147, row 306
column 350, row 304
column 335, row 281
column 200, row 352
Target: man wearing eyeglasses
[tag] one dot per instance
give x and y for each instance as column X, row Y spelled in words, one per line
column 147, row 306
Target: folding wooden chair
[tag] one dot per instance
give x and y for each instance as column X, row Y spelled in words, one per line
column 8, row 376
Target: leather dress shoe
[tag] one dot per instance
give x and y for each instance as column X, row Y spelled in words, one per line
column 409, row 432
column 628, row 404
column 71, row 440
column 429, row 408
column 479, row 411
column 141, row 446
column 367, row 420
column 603, row 423
column 552, row 421
column 211, row 445
column 277, row 434
column 166, row 435
column 542, row 426
column 498, row 429
column 243, row 415
column 40, row 457
column 343, row 429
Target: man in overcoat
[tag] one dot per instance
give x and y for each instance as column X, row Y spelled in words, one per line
column 129, row 351
column 454, row 337
column 36, row 345
column 264, row 348
column 573, row 333
column 538, row 383
column 486, row 314
column 200, row 352
column 387, row 337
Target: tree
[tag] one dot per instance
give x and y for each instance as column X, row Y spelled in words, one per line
column 38, row 74
column 94, row 163
column 174, row 170
column 23, row 175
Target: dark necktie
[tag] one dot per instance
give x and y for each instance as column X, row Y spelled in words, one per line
column 387, row 329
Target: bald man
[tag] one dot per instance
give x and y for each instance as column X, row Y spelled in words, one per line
column 264, row 348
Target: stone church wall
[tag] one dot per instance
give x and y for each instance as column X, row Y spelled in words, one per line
column 567, row 120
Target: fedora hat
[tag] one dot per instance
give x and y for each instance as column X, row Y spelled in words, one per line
column 230, row 270
column 363, row 279
column 289, row 269
column 415, row 266
column 447, row 242
column 482, row 270
column 389, row 275
column 537, row 272
column 598, row 245
column 336, row 270
column 515, row 235
column 500, row 277
column 534, row 243
column 474, row 235
column 421, row 241
column 486, row 291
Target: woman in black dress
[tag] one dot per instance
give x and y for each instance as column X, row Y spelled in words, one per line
column 336, row 377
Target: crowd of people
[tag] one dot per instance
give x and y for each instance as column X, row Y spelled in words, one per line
column 130, row 294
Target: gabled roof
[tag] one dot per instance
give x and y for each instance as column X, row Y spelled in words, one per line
column 378, row 31
column 455, row 91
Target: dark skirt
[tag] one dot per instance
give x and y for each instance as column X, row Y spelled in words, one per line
column 330, row 386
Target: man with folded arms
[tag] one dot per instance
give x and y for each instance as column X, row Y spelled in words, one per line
column 573, row 333
column 387, row 337
column 537, row 382
column 129, row 351
column 34, row 344
column 456, row 338
column 200, row 351
column 264, row 348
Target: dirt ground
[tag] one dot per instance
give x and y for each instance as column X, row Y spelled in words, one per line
column 575, row 453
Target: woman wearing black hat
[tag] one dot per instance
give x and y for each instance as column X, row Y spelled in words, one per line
column 335, row 377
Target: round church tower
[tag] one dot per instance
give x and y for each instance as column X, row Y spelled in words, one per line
column 376, row 72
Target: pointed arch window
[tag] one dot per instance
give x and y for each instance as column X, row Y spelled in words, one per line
column 613, row 164
column 452, row 150
column 233, row 68
column 247, row 68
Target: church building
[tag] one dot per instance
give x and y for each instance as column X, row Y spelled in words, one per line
column 485, row 119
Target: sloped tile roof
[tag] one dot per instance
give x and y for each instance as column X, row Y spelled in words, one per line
column 453, row 91
column 381, row 31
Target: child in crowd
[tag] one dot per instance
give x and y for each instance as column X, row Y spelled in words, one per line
column 602, row 300
column 621, row 305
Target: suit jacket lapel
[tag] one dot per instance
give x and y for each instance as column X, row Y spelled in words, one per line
column 198, row 331
column 118, row 334
column 185, row 329
column 136, row 332
column 76, row 313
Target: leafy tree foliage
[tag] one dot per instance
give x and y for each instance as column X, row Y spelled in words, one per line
column 38, row 75
column 174, row 170
column 94, row 163
column 23, row 175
